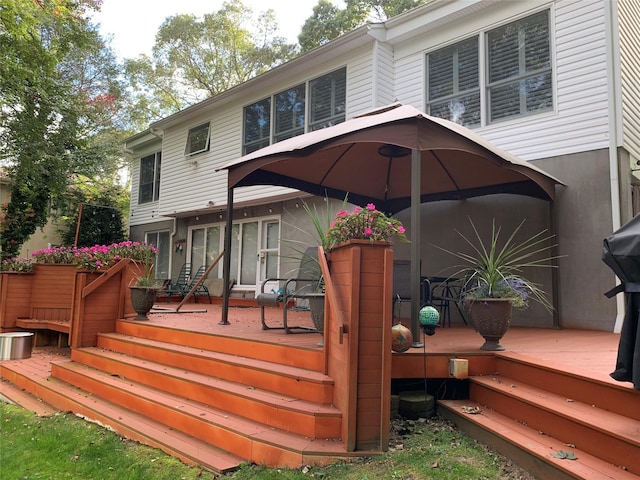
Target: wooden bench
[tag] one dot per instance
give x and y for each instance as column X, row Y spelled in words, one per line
column 61, row 327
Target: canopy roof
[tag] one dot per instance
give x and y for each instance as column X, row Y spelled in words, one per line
column 369, row 158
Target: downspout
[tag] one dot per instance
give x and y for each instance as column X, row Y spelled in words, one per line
column 613, row 93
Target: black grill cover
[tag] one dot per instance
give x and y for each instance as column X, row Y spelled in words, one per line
column 621, row 252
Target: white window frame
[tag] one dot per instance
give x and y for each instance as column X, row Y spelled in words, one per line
column 192, row 132
column 483, row 66
column 161, row 251
column 155, row 183
column 273, row 137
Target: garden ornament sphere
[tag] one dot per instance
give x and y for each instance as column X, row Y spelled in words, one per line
column 429, row 318
column 401, row 338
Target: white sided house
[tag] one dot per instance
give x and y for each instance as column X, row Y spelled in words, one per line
column 555, row 83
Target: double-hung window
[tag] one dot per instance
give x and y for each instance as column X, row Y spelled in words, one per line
column 519, row 64
column 149, row 185
column 453, row 83
column 308, row 106
column 197, row 140
column 515, row 74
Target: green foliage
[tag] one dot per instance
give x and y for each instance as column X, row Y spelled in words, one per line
column 329, row 22
column 195, row 58
column 64, row 446
column 494, row 269
column 58, row 102
column 365, row 224
column 102, row 215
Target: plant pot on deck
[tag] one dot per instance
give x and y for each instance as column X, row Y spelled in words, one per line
column 491, row 318
column 142, row 300
column 316, row 305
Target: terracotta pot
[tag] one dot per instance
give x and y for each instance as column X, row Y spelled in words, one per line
column 142, row 300
column 490, row 317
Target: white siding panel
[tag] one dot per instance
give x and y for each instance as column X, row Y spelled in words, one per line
column 385, row 86
column 410, row 80
column 360, row 91
column 629, row 25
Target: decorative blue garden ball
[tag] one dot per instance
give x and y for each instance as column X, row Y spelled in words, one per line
column 429, row 316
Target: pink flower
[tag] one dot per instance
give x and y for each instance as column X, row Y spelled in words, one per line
column 371, row 206
column 342, row 213
column 401, row 229
column 368, row 231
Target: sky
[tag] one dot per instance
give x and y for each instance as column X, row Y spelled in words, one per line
column 134, row 23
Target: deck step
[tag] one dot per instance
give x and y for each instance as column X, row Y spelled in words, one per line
column 530, row 448
column 288, row 413
column 281, row 353
column 610, row 436
column 571, row 382
column 127, row 423
column 241, row 437
column 25, row 399
column 304, row 384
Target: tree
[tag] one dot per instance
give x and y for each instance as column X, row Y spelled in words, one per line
column 329, row 22
column 58, row 96
column 194, row 59
column 101, row 208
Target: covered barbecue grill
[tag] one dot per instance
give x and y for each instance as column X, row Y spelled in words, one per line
column 621, row 252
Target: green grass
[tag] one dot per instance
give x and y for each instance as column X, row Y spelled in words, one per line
column 66, row 447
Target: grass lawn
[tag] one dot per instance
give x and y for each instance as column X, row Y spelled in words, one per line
column 64, row 446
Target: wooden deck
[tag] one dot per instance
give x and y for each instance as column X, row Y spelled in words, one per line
column 263, row 395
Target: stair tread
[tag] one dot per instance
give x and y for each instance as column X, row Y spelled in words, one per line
column 222, row 419
column 264, row 396
column 140, row 428
column 540, row 445
column 26, row 400
column 284, row 370
column 614, row 424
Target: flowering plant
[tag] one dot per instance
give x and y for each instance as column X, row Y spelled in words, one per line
column 364, row 223
column 16, row 265
column 494, row 271
column 97, row 257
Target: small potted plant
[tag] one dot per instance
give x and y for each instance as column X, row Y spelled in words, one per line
column 146, row 285
column 493, row 283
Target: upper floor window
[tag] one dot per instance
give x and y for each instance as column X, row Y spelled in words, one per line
column 197, row 139
column 149, row 187
column 288, row 113
column 519, row 68
column 453, row 83
column 516, row 75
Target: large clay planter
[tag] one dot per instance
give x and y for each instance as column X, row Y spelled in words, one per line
column 490, row 317
column 142, row 300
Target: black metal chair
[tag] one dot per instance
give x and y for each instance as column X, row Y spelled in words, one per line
column 444, row 292
column 201, row 289
column 402, row 286
column 305, row 285
column 177, row 287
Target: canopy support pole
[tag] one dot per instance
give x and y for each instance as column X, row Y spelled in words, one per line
column 226, row 264
column 415, row 246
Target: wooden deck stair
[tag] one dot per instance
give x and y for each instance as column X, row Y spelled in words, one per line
column 206, row 407
column 529, row 412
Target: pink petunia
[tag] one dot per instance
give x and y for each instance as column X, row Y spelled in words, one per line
column 401, row 229
column 368, row 231
column 371, row 206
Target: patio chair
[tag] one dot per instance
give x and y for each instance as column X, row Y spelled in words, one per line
column 402, row 286
column 177, row 287
column 444, row 292
column 304, row 286
column 201, row 289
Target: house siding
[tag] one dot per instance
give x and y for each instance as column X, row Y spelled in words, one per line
column 579, row 120
column 629, row 26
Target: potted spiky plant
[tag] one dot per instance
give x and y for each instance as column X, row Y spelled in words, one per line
column 493, row 278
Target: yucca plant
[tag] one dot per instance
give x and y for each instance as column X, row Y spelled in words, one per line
column 495, row 269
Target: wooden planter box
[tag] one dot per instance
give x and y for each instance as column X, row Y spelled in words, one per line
column 358, row 340
column 15, row 298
